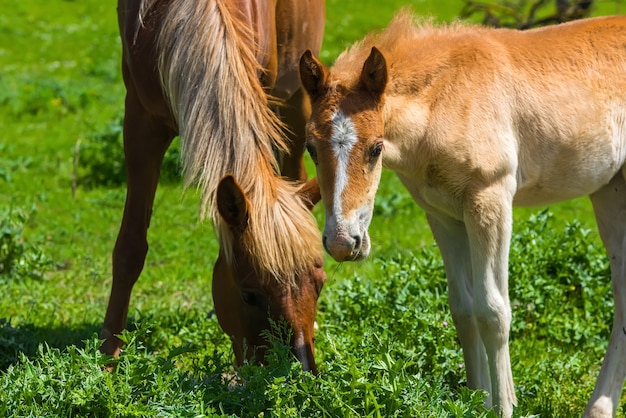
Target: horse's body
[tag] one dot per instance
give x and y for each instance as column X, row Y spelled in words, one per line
column 203, row 70
column 475, row 121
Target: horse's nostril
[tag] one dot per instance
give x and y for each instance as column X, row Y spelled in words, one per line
column 325, row 244
column 357, row 242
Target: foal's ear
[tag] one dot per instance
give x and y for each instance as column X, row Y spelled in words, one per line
column 310, row 193
column 313, row 74
column 374, row 73
column 232, row 204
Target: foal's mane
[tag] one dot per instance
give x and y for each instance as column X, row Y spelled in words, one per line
column 399, row 40
column 210, row 75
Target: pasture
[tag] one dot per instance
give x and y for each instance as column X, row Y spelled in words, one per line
column 386, row 345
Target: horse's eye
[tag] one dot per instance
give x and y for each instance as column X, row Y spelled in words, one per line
column 376, row 150
column 250, row 298
column 312, row 152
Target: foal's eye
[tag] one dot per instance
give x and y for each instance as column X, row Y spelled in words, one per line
column 312, row 152
column 376, row 150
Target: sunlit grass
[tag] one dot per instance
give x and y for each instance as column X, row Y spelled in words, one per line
column 386, row 344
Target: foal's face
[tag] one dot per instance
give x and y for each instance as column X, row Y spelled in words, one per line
column 246, row 300
column 345, row 140
column 346, row 144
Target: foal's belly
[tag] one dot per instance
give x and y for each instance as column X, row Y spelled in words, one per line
column 573, row 179
column 575, row 160
column 540, row 196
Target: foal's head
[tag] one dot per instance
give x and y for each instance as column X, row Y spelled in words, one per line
column 247, row 298
column 345, row 140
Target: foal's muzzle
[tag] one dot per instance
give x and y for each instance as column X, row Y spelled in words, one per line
column 345, row 247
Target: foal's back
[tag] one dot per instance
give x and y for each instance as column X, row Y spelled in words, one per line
column 536, row 103
column 567, row 97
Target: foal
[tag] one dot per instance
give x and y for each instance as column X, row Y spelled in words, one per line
column 473, row 121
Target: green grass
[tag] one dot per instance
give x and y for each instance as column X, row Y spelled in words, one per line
column 386, row 344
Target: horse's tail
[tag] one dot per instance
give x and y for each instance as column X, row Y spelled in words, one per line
column 211, row 77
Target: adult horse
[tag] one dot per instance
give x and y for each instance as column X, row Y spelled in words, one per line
column 474, row 121
column 203, row 70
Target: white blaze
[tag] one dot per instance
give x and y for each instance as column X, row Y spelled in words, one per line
column 342, row 141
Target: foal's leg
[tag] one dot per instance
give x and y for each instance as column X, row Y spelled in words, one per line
column 295, row 115
column 452, row 240
column 488, row 219
column 145, row 143
column 609, row 204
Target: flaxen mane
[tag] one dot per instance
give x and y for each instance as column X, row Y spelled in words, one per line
column 401, row 41
column 210, row 75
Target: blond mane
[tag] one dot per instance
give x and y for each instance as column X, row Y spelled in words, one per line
column 210, row 75
column 400, row 41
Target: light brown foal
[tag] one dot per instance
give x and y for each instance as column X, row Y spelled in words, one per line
column 473, row 121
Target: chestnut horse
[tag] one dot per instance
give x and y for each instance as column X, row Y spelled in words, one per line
column 473, row 121
column 212, row 71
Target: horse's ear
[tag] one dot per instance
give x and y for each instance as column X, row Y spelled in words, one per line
column 313, row 74
column 232, row 204
column 310, row 193
column 374, row 73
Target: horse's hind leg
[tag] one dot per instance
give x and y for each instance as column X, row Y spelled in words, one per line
column 145, row 143
column 609, row 204
column 295, row 115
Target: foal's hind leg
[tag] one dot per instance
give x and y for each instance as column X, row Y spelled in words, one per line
column 145, row 143
column 609, row 204
column 295, row 115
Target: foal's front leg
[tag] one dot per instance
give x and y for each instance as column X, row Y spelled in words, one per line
column 488, row 220
column 452, row 240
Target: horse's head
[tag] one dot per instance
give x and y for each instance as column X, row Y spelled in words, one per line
column 246, row 298
column 345, row 140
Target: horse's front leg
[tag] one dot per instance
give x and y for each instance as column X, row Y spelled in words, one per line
column 488, row 219
column 295, row 113
column 145, row 143
column 452, row 240
column 609, row 204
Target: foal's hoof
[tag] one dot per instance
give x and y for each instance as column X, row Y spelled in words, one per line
column 601, row 408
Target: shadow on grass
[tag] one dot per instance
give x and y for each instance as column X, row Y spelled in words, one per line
column 195, row 328
column 26, row 338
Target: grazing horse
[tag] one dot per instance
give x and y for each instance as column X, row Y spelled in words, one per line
column 473, row 121
column 211, row 71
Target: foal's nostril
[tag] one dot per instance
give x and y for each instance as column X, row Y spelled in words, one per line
column 357, row 242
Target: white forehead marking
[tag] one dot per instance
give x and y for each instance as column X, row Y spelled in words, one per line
column 342, row 140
